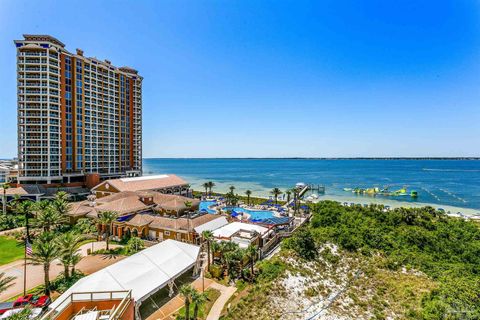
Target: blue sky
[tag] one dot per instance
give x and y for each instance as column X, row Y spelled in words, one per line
column 276, row 78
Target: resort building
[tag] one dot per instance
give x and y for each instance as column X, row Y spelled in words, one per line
column 77, row 115
column 165, row 183
column 119, row 290
column 149, row 215
column 37, row 192
column 159, row 228
column 8, row 171
column 243, row 234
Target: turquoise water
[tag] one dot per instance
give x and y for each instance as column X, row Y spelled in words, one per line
column 254, row 214
column 441, row 182
column 204, row 205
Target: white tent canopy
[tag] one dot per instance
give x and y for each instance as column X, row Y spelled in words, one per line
column 211, row 225
column 144, row 272
column 228, row 230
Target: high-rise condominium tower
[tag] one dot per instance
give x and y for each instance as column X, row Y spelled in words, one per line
column 76, row 115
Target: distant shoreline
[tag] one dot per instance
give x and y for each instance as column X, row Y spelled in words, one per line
column 308, row 158
column 313, row 158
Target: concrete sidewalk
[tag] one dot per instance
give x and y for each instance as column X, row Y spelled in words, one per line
column 226, row 293
column 167, row 311
column 87, row 265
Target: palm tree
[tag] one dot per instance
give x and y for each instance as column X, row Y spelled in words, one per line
column 295, row 199
column 224, row 248
column 214, row 248
column 5, row 282
column 48, row 216
column 25, row 208
column 276, row 192
column 206, row 186
column 248, row 193
column 198, row 298
column 44, row 251
column 106, row 219
column 207, row 236
column 74, row 261
column 62, row 196
column 252, row 255
column 289, row 193
column 134, row 245
column 231, row 189
column 69, row 244
column 61, row 204
column 187, row 291
column 233, row 261
column 210, row 186
column 5, row 186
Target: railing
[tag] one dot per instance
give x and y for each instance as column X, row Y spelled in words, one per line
column 125, row 295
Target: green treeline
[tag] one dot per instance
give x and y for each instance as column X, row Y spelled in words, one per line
column 444, row 248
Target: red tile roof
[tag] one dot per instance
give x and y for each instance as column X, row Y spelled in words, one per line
column 145, row 183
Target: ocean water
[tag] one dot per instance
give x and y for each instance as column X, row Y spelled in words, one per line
column 440, row 182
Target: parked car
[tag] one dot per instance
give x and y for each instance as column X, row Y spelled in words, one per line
column 29, row 299
column 40, row 301
column 23, row 301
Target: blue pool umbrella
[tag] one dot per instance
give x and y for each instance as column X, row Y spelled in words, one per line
column 234, row 214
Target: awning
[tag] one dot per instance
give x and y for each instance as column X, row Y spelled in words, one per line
column 144, row 273
column 212, row 225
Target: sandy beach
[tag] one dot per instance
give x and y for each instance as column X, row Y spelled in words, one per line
column 260, row 191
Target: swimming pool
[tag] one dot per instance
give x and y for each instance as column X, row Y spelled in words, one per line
column 204, row 206
column 254, row 214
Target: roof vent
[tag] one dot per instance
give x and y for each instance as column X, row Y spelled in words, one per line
column 80, row 52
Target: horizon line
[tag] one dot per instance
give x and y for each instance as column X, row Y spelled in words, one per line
column 321, row 158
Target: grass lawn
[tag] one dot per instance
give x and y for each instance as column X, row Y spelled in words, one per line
column 10, row 250
column 203, row 311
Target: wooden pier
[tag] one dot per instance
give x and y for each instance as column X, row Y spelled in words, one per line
column 320, row 189
column 316, row 187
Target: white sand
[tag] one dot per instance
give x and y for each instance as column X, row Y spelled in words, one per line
column 261, row 192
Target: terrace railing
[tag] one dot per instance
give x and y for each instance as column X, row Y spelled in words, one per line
column 125, row 297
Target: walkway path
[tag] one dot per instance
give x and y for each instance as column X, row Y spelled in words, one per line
column 226, row 293
column 176, row 303
column 87, row 265
column 168, row 310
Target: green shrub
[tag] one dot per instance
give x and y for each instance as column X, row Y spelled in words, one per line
column 270, row 269
column 216, row 271
column 302, row 243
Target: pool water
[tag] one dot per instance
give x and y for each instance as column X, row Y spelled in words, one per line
column 204, row 206
column 254, row 214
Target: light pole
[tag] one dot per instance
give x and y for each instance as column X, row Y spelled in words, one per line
column 203, row 259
